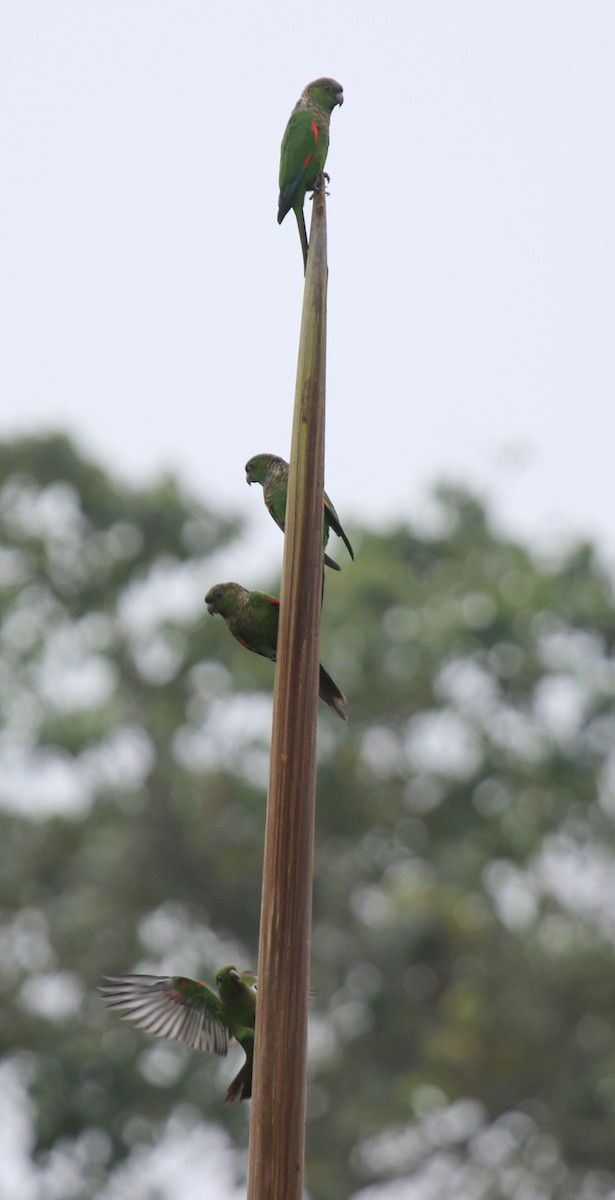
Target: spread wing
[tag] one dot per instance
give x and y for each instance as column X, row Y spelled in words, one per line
column 170, row 1006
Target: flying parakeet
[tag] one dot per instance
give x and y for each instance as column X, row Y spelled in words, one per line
column 252, row 618
column 272, row 472
column 304, row 149
column 185, row 1010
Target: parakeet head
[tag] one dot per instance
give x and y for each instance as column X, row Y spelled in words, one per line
column 325, row 93
column 222, row 598
column 258, row 467
column 231, row 983
column 227, row 975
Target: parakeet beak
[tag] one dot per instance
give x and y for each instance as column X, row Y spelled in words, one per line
column 339, row 96
column 211, row 610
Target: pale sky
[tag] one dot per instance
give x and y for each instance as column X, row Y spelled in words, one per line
column 150, row 303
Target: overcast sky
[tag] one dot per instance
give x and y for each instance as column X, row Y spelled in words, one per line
column 150, row 303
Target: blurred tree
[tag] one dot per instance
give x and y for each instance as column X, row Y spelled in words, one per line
column 463, row 971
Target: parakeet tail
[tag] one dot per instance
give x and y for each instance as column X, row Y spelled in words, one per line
column 330, row 693
column 337, row 528
column 330, row 562
column 303, row 236
column 240, row 1088
column 347, row 544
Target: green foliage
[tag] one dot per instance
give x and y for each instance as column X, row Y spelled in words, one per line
column 463, row 966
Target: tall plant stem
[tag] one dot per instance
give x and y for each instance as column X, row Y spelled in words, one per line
column 277, row 1136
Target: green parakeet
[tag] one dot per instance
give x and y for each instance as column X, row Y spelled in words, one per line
column 304, row 149
column 272, row 472
column 185, row 1010
column 252, row 618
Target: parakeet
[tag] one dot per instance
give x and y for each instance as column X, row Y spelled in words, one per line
column 304, row 149
column 185, row 1010
column 272, row 472
column 252, row 618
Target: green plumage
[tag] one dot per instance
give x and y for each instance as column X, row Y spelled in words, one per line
column 252, row 618
column 185, row 1010
column 272, row 472
column 304, row 149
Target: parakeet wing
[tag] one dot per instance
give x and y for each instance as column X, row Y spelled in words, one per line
column 260, row 633
column 298, row 146
column 170, row 1006
column 277, row 510
column 336, row 525
column 256, row 646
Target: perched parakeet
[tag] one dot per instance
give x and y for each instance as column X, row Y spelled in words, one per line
column 272, row 472
column 252, row 618
column 304, row 149
column 185, row 1010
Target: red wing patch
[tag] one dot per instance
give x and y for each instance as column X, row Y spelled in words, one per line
column 308, row 157
column 272, row 600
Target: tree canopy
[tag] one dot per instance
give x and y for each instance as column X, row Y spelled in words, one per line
column 462, row 1036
